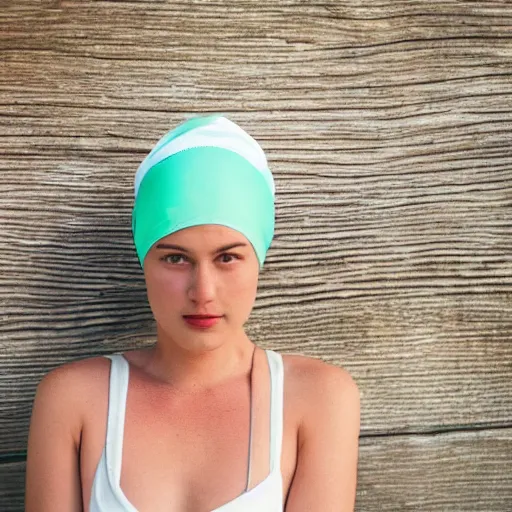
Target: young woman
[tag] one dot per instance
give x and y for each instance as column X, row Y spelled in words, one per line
column 204, row 420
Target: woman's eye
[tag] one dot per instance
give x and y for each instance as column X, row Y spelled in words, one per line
column 230, row 257
column 169, row 256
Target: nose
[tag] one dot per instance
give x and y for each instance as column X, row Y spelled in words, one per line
column 202, row 284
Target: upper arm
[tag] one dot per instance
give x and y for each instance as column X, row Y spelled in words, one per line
column 326, row 471
column 52, row 471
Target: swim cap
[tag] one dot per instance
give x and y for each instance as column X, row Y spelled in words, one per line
column 207, row 170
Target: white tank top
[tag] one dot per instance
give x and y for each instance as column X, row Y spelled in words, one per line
column 107, row 495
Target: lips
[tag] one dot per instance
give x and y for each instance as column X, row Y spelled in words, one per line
column 202, row 322
column 201, row 316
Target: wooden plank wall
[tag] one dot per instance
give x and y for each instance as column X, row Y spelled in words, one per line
column 388, row 129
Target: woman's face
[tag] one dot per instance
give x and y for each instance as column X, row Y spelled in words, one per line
column 197, row 279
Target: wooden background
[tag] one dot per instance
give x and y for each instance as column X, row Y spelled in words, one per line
column 388, row 127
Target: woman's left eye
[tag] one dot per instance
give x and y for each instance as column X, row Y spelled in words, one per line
column 230, row 256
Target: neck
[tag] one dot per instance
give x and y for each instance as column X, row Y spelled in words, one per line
column 191, row 371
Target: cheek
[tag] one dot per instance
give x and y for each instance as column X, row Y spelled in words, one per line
column 242, row 288
column 163, row 292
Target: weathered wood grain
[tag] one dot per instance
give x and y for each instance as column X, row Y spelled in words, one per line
column 458, row 471
column 387, row 127
column 452, row 472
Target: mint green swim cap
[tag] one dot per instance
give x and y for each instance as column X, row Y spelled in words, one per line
column 207, row 170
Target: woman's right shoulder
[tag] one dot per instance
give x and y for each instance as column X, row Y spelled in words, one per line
column 63, row 398
column 72, row 387
column 76, row 374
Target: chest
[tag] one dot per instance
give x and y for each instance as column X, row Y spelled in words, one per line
column 190, row 454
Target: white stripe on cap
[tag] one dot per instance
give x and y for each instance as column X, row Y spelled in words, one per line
column 222, row 133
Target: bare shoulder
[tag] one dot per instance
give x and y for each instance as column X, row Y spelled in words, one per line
column 309, row 377
column 75, row 375
column 320, row 393
column 70, row 387
column 60, row 404
column 327, row 399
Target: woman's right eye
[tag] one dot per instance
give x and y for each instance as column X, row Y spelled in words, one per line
column 165, row 258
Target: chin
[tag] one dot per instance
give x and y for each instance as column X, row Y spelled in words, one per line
column 199, row 346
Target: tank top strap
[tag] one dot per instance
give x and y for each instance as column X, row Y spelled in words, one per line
column 275, row 361
column 118, row 390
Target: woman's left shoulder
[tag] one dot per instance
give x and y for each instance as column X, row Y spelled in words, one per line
column 309, row 376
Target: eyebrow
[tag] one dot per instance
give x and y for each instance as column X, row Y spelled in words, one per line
column 220, row 249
